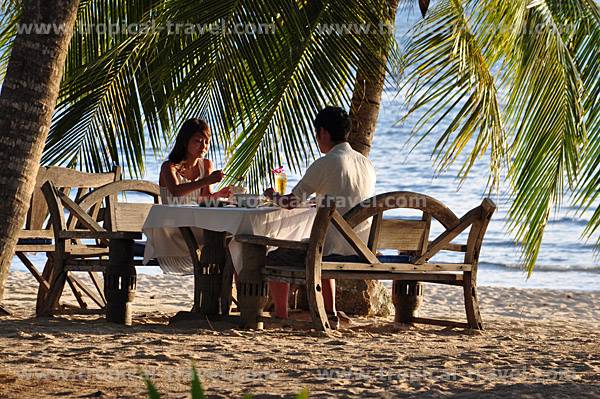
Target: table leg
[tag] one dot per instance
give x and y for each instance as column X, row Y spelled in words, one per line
column 208, row 270
column 120, row 281
column 252, row 289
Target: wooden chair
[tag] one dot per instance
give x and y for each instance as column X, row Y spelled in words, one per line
column 71, row 253
column 409, row 237
column 37, row 234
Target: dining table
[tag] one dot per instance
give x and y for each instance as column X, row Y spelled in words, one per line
column 206, row 237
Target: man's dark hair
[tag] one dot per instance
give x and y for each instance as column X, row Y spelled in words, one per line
column 336, row 121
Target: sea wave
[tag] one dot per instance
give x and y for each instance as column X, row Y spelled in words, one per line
column 543, row 267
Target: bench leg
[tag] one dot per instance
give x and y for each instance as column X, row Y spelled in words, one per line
column 472, row 302
column 407, row 297
column 316, row 305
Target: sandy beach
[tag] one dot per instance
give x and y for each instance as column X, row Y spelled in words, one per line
column 537, row 344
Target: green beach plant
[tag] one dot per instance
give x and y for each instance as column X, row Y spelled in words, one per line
column 196, row 390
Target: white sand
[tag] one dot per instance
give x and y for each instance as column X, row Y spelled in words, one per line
column 537, row 344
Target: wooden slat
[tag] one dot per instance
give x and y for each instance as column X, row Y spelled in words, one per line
column 67, row 177
column 99, row 284
column 439, row 322
column 86, row 266
column 86, row 251
column 261, row 240
column 99, row 301
column 83, row 234
column 453, row 247
column 451, row 233
column 77, row 294
column 85, row 219
column 36, row 234
column 438, row 278
column 130, row 216
column 353, row 239
column 34, row 248
column 403, row 235
column 396, row 267
column 40, row 279
column 375, row 232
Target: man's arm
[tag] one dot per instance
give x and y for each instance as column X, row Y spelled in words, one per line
column 288, row 201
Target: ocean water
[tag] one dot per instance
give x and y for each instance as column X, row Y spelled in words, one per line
column 566, row 260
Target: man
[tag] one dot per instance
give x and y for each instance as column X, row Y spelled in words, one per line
column 343, row 173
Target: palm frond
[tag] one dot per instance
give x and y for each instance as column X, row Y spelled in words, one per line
column 550, row 77
column 9, row 19
column 100, row 118
column 259, row 91
column 449, row 77
column 547, row 111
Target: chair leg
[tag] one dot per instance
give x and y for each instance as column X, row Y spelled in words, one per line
column 56, row 288
column 316, row 305
column 472, row 302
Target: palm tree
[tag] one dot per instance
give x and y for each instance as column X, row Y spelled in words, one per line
column 29, row 92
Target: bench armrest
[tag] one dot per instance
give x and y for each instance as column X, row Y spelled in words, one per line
column 100, row 235
column 261, row 240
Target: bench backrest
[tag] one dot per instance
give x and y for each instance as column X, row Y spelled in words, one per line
column 402, row 235
column 65, row 179
column 412, row 237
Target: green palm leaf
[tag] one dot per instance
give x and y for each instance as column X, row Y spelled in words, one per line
column 260, row 107
column 549, row 120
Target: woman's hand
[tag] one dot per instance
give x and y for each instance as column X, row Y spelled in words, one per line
column 225, row 192
column 216, row 176
column 269, row 193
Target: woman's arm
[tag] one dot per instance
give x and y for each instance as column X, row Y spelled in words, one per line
column 206, row 193
column 168, row 179
column 208, row 167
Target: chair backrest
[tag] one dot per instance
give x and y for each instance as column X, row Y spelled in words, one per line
column 65, row 179
column 129, row 217
column 122, row 216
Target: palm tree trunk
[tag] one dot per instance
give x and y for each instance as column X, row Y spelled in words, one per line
column 364, row 110
column 27, row 102
column 366, row 98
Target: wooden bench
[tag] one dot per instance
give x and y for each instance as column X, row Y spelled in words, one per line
column 37, row 234
column 120, row 221
column 411, row 263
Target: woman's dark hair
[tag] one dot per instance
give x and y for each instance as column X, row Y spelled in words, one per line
column 187, row 130
column 336, row 121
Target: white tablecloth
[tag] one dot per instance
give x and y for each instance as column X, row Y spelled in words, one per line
column 163, row 222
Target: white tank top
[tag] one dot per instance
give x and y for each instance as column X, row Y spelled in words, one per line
column 190, row 198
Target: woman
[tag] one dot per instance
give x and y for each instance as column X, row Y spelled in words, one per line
column 186, row 176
